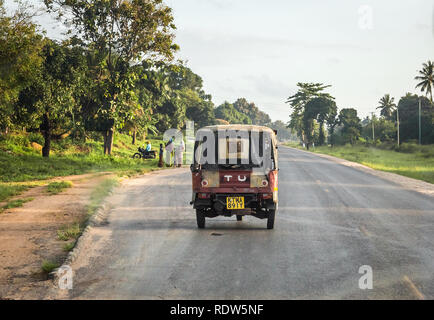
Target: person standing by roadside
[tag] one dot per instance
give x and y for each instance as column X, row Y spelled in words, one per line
column 160, row 160
column 169, row 149
column 179, row 153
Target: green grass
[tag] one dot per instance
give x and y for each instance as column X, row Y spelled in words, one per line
column 48, row 266
column 8, row 190
column 16, row 203
column 69, row 232
column 34, row 167
column 99, row 193
column 68, row 246
column 410, row 160
column 57, row 187
column 20, row 163
column 73, row 231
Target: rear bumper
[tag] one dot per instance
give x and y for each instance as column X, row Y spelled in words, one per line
column 217, row 202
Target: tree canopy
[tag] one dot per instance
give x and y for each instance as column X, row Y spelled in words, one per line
column 426, row 79
column 118, row 34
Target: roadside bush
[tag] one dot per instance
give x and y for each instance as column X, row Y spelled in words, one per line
column 48, row 266
column 36, row 137
column 15, row 143
column 69, row 232
column 407, row 147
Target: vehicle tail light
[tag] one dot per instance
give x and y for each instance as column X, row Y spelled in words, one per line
column 204, row 183
column 202, row 195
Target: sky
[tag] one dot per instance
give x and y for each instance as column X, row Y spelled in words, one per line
column 259, row 49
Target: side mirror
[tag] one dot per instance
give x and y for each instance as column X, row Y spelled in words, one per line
column 195, row 167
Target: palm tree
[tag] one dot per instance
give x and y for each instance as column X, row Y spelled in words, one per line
column 387, row 106
column 426, row 78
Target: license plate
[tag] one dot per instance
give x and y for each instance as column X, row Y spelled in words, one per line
column 233, row 203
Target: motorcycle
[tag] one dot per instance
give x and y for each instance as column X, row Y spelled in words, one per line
column 143, row 154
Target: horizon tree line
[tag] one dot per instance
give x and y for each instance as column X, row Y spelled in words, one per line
column 314, row 110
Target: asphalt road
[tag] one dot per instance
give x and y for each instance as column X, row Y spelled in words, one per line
column 332, row 219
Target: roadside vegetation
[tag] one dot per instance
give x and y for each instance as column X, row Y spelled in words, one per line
column 48, row 266
column 8, row 190
column 22, row 166
column 99, row 193
column 22, row 162
column 69, row 232
column 58, row 186
column 74, row 230
column 15, row 204
column 410, row 160
column 69, row 246
column 400, row 139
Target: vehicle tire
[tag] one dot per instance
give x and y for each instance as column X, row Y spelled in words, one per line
column 270, row 220
column 137, row 156
column 200, row 218
column 239, row 218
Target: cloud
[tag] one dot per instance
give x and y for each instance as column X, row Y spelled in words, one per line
column 211, row 39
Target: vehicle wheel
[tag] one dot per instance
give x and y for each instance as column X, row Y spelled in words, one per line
column 200, row 218
column 137, row 156
column 270, row 220
column 239, row 218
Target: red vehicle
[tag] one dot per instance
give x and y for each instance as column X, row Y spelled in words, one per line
column 235, row 172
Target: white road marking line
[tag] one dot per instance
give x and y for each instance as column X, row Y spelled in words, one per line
column 413, row 288
column 364, row 231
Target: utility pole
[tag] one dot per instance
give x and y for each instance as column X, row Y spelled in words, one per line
column 373, row 129
column 397, row 122
column 420, row 126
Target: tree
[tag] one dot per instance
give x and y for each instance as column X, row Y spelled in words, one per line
column 186, row 99
column 350, row 122
column 409, row 118
column 262, row 119
column 317, row 110
column 49, row 100
column 120, row 33
column 384, row 129
column 332, row 121
column 426, row 78
column 153, row 90
column 227, row 111
column 20, row 59
column 387, row 106
column 257, row 116
column 200, row 111
column 283, row 132
column 298, row 101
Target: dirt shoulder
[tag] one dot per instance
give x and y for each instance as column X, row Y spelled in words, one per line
column 28, row 234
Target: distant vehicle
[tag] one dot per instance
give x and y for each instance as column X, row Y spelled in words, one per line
column 143, row 154
column 235, row 172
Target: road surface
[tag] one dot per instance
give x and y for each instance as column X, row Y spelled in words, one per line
column 332, row 219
